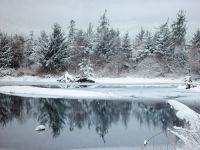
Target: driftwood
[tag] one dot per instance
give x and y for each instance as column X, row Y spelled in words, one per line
column 85, row 80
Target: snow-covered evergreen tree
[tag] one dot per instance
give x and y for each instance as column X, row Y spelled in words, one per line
column 17, row 49
column 178, row 28
column 139, row 45
column 162, row 41
column 90, row 34
column 11, row 51
column 72, row 32
column 195, row 53
column 80, row 40
column 43, row 47
column 113, row 45
column 114, row 56
column 102, row 46
column 81, row 49
column 56, row 55
column 103, row 24
column 196, row 40
column 139, row 39
column 30, row 50
column 146, row 46
column 86, row 68
column 149, row 45
column 72, row 48
column 126, row 48
column 5, row 51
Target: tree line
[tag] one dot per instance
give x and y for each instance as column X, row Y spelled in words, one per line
column 102, row 50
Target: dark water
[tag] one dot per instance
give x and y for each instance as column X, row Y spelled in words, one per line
column 82, row 123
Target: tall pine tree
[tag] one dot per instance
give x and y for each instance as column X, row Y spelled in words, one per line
column 5, row 51
column 178, row 29
column 162, row 41
column 43, row 47
column 102, row 41
column 56, row 55
column 195, row 53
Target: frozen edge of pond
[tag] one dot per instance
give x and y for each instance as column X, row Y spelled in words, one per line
column 29, row 91
column 121, row 80
column 85, row 93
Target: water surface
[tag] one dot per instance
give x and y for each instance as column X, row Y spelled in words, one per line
column 77, row 123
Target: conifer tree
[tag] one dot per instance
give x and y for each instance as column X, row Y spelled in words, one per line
column 102, row 41
column 72, row 32
column 195, row 53
column 126, row 48
column 30, row 49
column 162, row 41
column 178, row 28
column 17, row 49
column 56, row 55
column 43, row 47
column 5, row 51
column 86, row 68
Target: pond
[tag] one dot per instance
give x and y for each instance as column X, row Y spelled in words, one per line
column 82, row 123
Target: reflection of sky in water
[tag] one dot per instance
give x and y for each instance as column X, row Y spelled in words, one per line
column 81, row 123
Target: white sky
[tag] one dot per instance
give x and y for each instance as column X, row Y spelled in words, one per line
column 23, row 16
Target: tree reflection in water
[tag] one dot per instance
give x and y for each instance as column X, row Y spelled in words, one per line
column 100, row 114
column 53, row 113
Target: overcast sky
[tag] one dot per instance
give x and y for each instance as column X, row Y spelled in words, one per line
column 22, row 16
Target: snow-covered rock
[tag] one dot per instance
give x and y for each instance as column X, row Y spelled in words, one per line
column 40, row 128
column 145, row 142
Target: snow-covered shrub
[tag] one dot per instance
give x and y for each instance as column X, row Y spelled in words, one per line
column 66, row 78
column 86, row 68
column 6, row 72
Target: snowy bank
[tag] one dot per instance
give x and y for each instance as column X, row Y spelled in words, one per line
column 194, row 89
column 184, row 112
column 96, row 91
column 28, row 79
column 133, row 80
column 125, row 80
column 189, row 135
column 29, row 91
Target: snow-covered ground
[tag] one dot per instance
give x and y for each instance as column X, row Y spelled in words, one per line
column 28, row 79
column 125, row 80
column 133, row 80
column 29, row 91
